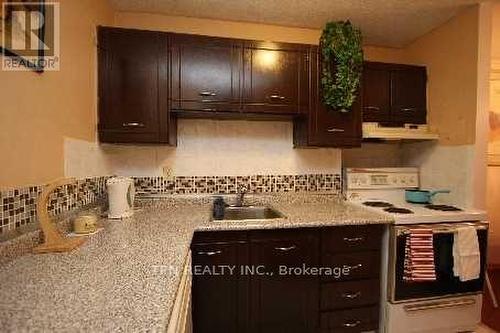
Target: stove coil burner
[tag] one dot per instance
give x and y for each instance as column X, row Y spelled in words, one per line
column 377, row 204
column 398, row 210
column 444, row 208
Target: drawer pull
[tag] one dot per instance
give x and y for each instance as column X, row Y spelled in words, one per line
column 209, row 109
column 207, row 93
column 351, row 296
column 335, row 130
column 354, row 239
column 357, row 266
column 374, row 108
column 352, row 324
column 285, row 249
column 281, row 98
column 133, row 124
column 408, row 109
column 209, row 253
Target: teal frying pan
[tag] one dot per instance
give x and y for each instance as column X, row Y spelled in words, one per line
column 422, row 196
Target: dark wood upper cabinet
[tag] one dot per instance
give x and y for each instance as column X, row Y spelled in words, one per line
column 323, row 126
column 133, row 87
column 147, row 79
column 394, row 94
column 409, row 94
column 275, row 78
column 376, row 94
column 205, row 73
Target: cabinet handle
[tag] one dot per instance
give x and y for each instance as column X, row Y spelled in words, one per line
column 357, row 266
column 351, row 296
column 207, row 93
column 352, row 324
column 354, row 239
column 408, row 109
column 209, row 253
column 210, row 109
column 286, row 249
column 133, row 124
column 374, row 108
column 277, row 97
column 335, row 130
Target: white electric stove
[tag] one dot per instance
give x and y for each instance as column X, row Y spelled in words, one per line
column 383, row 190
column 442, row 306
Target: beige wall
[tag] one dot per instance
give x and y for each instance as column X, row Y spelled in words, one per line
column 493, row 182
column 450, row 53
column 239, row 30
column 37, row 111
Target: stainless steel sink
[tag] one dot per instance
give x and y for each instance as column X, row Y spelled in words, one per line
column 237, row 213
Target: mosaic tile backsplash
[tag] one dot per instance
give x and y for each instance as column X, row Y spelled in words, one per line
column 230, row 184
column 18, row 206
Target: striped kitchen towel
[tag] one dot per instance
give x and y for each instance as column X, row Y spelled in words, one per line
column 419, row 256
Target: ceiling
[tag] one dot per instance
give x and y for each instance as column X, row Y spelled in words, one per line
column 393, row 23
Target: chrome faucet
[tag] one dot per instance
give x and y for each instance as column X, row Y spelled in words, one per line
column 242, row 190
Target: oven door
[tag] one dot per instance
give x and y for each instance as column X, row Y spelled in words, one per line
column 446, row 283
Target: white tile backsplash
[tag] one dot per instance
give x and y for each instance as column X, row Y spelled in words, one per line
column 208, row 148
column 443, row 167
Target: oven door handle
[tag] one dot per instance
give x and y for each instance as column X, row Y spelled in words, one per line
column 444, row 228
column 439, row 305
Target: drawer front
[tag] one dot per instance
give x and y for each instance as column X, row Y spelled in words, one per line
column 342, row 295
column 352, row 238
column 357, row 320
column 351, row 266
column 210, row 237
column 289, row 250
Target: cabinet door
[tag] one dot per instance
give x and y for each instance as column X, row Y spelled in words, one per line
column 206, row 73
column 328, row 127
column 275, row 78
column 376, row 93
column 284, row 303
column 133, row 71
column 408, row 86
column 220, row 301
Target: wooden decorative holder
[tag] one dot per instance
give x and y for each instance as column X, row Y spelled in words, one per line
column 53, row 240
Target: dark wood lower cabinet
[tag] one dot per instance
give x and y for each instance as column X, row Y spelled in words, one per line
column 269, row 290
column 284, row 299
column 220, row 293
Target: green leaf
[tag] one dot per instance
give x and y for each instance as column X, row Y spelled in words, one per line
column 341, row 50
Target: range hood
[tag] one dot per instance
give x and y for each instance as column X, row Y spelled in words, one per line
column 406, row 132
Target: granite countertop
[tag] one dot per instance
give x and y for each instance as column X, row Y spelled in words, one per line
column 125, row 277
